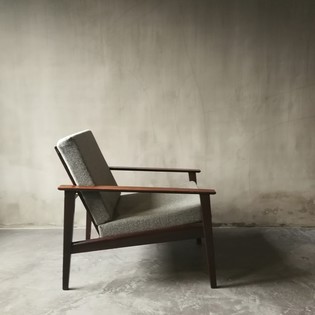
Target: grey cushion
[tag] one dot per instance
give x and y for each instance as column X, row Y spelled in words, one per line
column 148, row 211
column 88, row 167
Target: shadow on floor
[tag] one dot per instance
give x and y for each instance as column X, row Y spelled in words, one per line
column 243, row 257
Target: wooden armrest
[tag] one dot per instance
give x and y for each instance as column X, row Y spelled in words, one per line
column 140, row 189
column 154, row 169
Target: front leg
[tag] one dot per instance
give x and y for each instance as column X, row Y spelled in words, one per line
column 208, row 237
column 69, row 206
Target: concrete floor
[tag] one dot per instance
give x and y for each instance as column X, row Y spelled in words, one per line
column 260, row 271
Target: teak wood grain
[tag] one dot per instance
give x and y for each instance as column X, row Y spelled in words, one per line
column 140, row 189
column 155, row 169
column 182, row 232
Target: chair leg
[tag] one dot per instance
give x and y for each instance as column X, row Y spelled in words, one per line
column 88, row 226
column 208, row 238
column 69, row 205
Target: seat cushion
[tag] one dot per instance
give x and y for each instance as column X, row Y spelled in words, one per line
column 88, row 167
column 149, row 211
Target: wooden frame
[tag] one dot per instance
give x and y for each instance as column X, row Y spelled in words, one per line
column 192, row 172
column 189, row 231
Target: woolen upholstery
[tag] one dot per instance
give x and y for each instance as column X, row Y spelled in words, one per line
column 147, row 211
column 127, row 213
column 88, row 167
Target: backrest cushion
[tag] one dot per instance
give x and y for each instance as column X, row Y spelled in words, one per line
column 88, row 167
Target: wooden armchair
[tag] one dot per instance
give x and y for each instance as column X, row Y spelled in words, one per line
column 143, row 216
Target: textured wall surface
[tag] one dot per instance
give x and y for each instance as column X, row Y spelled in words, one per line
column 227, row 86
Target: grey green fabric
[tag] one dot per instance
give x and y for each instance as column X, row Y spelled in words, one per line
column 148, row 211
column 88, row 167
column 112, row 212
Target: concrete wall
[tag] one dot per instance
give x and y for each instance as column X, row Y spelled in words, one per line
column 227, row 86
